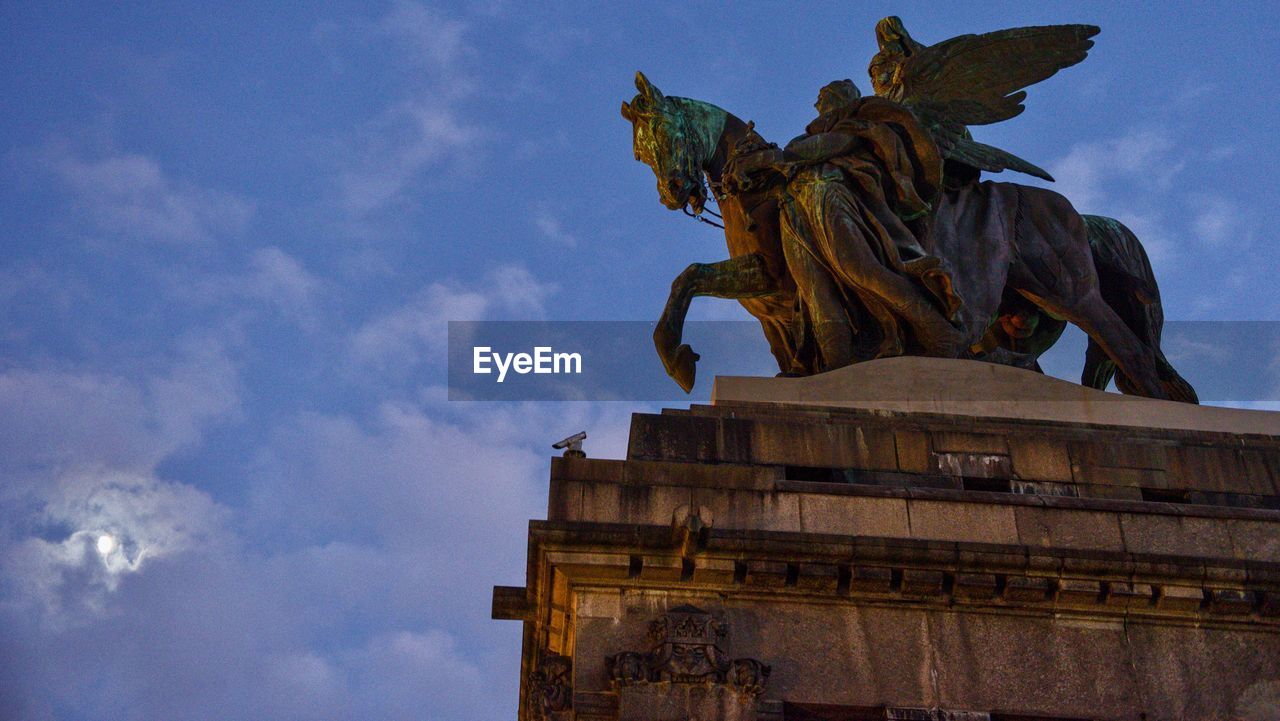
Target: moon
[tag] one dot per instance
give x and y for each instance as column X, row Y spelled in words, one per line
column 106, row 544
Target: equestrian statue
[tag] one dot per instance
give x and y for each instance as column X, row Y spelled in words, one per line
column 872, row 234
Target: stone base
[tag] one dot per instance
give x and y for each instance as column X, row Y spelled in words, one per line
column 788, row 556
column 984, row 390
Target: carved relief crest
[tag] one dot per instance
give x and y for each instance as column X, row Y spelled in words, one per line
column 686, row 648
column 551, row 687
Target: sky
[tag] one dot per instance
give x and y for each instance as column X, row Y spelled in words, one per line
column 232, row 236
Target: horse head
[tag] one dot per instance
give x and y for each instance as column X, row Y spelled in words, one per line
column 675, row 137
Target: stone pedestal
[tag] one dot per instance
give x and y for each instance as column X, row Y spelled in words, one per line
column 812, row 549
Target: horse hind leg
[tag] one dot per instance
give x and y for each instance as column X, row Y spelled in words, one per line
column 1175, row 385
column 1099, row 369
column 1134, row 359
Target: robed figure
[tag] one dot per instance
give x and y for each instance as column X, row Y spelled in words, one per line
column 891, row 242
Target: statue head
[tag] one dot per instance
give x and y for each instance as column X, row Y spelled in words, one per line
column 896, row 45
column 836, row 94
column 675, row 137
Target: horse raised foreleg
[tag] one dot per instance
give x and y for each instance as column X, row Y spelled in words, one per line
column 745, row 276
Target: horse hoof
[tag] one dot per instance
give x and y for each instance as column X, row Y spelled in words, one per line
column 684, row 367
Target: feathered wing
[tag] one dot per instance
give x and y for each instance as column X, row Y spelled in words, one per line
column 980, row 79
column 992, row 159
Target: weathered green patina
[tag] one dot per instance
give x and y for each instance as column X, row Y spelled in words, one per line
column 872, row 235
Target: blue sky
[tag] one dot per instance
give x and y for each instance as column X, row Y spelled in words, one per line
column 231, row 236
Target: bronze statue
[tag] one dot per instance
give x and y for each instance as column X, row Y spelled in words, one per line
column 871, row 234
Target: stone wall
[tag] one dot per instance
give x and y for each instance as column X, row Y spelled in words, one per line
column 879, row 564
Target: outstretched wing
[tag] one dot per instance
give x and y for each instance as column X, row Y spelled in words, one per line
column 992, row 159
column 979, row 79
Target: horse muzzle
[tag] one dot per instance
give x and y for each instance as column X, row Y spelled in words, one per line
column 675, row 193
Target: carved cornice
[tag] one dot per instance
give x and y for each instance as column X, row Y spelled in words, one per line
column 1163, row 588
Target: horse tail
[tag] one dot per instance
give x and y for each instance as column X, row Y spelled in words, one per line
column 1129, row 286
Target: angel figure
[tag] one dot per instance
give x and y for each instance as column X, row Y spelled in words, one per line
column 881, row 197
column 972, row 80
column 979, row 80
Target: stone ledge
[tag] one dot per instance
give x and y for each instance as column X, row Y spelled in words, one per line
column 773, row 411
column 665, row 473
column 730, row 477
column 972, row 388
column 1035, row 500
column 918, row 574
column 1195, row 466
column 814, row 511
column 781, row 548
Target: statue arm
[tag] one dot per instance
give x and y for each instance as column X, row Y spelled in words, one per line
column 769, row 166
column 818, row 147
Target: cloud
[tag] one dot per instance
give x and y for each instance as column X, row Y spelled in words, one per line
column 1088, row 171
column 128, row 196
column 1218, row 221
column 324, row 594
column 418, row 330
column 82, row 505
column 278, row 277
column 1183, row 350
column 1125, row 177
column 396, row 148
column 428, row 39
column 514, row 289
column 474, row 481
column 1137, row 177
column 67, row 418
column 271, row 277
column 551, row 228
column 94, row 527
column 424, row 128
column 403, row 673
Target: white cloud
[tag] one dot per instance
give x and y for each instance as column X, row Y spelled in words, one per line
column 1137, row 178
column 320, row 597
column 394, row 150
column 1182, row 350
column 1218, row 221
column 403, row 673
column 104, row 525
column 1123, row 177
column 271, row 277
column 418, row 330
column 1085, row 175
column 514, row 289
column 409, row 476
column 130, row 197
column 278, row 277
column 428, row 39
column 422, row 130
column 67, row 418
column 551, row 228
column 78, row 451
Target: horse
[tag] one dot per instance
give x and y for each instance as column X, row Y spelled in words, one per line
column 1061, row 267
